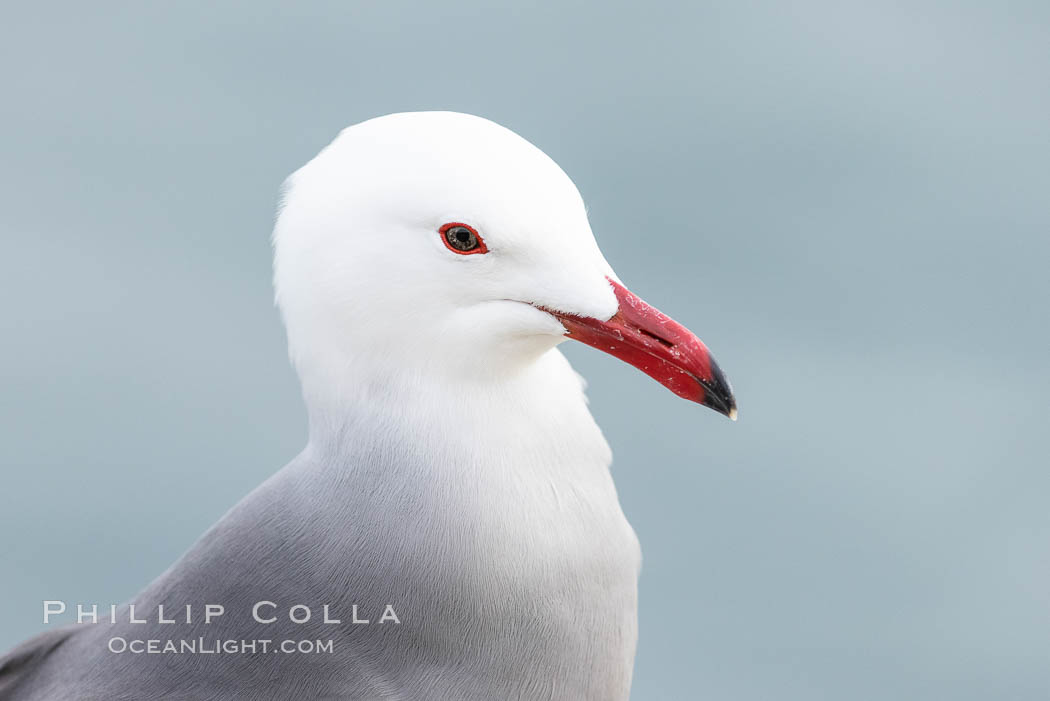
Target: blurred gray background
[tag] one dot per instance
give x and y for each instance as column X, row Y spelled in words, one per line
column 848, row 201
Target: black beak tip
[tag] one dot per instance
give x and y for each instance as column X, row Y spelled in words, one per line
column 718, row 393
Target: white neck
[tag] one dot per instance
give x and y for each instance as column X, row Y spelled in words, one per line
column 536, row 407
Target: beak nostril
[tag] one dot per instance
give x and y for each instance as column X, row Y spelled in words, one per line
column 653, row 336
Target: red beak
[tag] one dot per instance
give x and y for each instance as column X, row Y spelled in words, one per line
column 657, row 345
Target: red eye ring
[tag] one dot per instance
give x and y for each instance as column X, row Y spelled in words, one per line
column 462, row 239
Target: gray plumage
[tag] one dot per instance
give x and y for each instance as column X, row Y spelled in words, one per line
column 492, row 603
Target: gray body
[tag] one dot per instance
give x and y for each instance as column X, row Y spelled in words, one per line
column 509, row 580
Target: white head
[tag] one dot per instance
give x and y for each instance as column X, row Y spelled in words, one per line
column 371, row 280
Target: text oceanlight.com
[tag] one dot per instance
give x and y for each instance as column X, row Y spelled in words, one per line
column 201, row 646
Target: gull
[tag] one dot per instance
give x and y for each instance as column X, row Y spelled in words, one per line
column 451, row 529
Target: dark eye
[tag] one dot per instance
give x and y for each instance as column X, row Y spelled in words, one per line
column 463, row 239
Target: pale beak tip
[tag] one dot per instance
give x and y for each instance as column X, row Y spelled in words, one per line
column 732, row 414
